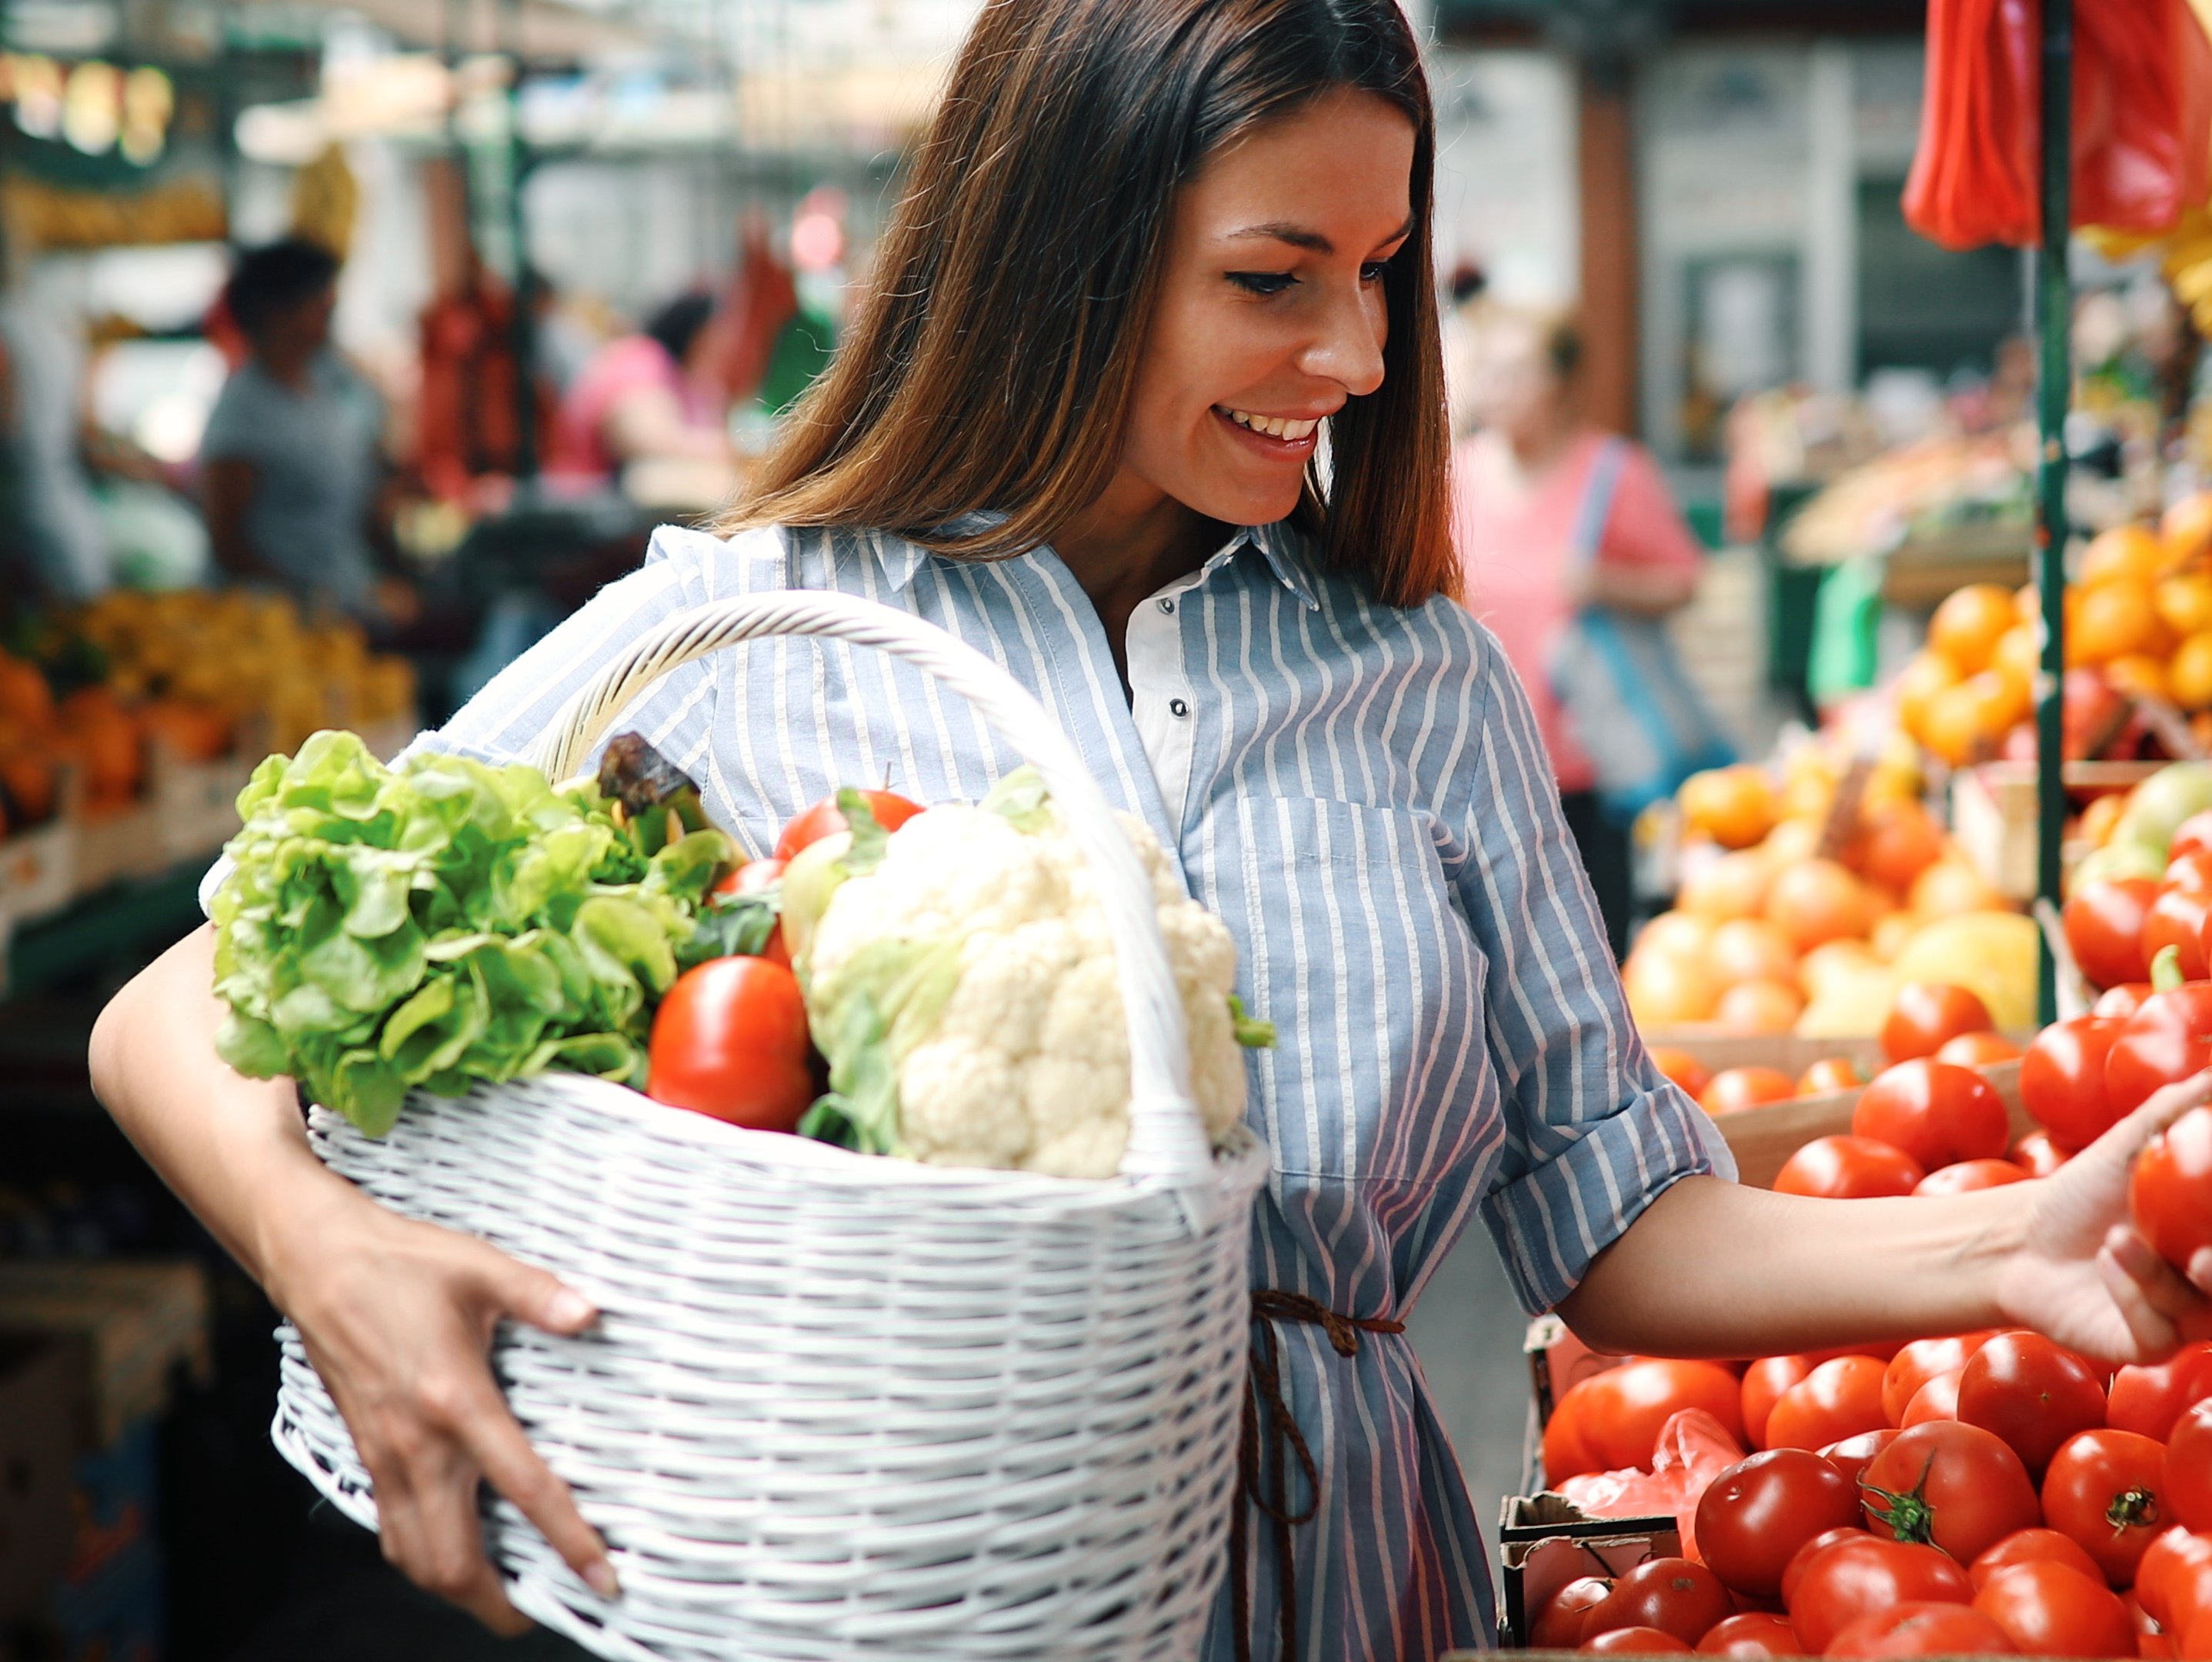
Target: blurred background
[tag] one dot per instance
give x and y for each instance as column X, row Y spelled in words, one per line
column 543, row 274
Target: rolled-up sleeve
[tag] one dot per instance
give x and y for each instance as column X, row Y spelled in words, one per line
column 1594, row 1132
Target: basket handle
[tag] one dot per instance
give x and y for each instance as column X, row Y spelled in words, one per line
column 1165, row 1142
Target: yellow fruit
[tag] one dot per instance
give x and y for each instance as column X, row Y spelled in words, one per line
column 1666, row 989
column 1990, row 953
column 1966, row 627
column 1794, row 839
column 1682, row 933
column 2100, row 816
column 2189, row 672
column 2186, row 531
column 1807, row 797
column 2114, row 620
column 1733, row 886
column 2019, row 652
column 1832, row 963
column 1891, row 932
column 2185, row 602
column 2133, row 552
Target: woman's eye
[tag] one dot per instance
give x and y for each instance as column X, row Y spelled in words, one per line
column 1262, row 282
column 1372, row 271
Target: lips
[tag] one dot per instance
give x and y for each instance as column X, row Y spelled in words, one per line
column 1279, row 437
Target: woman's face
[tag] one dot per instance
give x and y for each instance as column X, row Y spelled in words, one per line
column 1271, row 312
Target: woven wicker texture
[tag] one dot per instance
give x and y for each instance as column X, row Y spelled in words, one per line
column 844, row 1407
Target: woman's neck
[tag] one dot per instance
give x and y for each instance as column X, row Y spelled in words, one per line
column 1132, row 541
column 1536, row 447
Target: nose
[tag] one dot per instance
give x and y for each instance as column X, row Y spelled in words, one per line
column 1348, row 349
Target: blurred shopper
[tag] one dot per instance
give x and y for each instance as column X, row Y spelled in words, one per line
column 51, row 544
column 291, row 461
column 1534, row 479
column 649, row 397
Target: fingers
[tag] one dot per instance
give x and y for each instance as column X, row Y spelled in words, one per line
column 2153, row 1333
column 2160, row 1109
column 516, row 1471
column 533, row 1295
column 2163, row 1287
column 446, row 1555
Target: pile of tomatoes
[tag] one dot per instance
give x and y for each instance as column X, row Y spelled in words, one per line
column 1989, row 1493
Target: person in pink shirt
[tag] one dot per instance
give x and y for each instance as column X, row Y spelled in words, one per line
column 1521, row 487
column 644, row 396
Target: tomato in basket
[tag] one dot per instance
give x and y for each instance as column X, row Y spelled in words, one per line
column 826, row 818
column 729, row 1041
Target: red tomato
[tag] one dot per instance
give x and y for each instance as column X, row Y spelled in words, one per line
column 2104, row 926
column 1848, row 1168
column 751, row 877
column 2189, row 1469
column 2170, row 1038
column 2173, row 1579
column 2038, row 1155
column 2061, row 1079
column 2147, row 1631
column 1755, row 1516
column 1951, row 1486
column 2189, row 871
column 2031, row 1393
column 1559, row 1626
column 1753, row 1634
column 2054, row 1610
column 2104, row 1489
column 1937, row 1113
column 1925, row 1015
column 826, row 818
column 2031, row 1546
column 729, row 1040
column 1836, row 1400
column 1674, row 1595
column 2176, row 919
column 1794, row 1572
column 1626, row 1406
column 1917, row 1363
column 1734, row 1090
column 1684, row 1069
column 1969, row 1175
column 1830, row 1073
column 2192, row 836
column 1936, row 1400
column 2119, row 1003
column 1922, row 1628
column 2149, row 1400
column 1764, row 1382
column 1978, row 1051
column 1854, row 1579
column 1854, row 1455
column 2170, row 1195
column 1635, row 1641
column 1566, row 1454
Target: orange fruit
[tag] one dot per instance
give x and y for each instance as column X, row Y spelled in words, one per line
column 1792, row 840
column 1926, row 676
column 1683, row 934
column 1734, row 1089
column 1957, row 726
column 2028, row 601
column 2132, row 553
column 1968, row 626
column 2099, row 819
column 1733, row 886
column 2019, row 652
column 2184, row 602
column 27, row 702
column 2189, row 672
column 1816, row 901
column 1951, row 886
column 1735, row 806
column 1833, row 963
column 2138, row 674
column 2113, row 620
column 2185, row 532
column 1897, row 843
column 1751, row 949
column 1760, row 1007
column 1667, row 989
column 1807, row 797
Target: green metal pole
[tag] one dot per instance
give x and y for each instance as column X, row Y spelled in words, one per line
column 2054, row 313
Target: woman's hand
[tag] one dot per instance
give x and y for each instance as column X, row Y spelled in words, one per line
column 397, row 1318
column 2084, row 1274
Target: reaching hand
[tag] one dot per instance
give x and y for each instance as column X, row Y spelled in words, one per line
column 2083, row 1273
column 397, row 1318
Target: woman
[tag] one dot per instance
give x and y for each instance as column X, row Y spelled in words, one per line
column 647, row 398
column 1089, row 418
column 1525, row 486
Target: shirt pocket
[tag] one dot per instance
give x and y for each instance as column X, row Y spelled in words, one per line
column 1352, row 942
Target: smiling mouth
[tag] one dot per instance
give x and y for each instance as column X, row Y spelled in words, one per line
column 1282, row 435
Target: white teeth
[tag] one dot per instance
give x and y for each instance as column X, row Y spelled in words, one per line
column 1278, row 427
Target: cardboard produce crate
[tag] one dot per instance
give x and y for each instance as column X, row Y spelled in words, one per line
column 1993, row 815
column 1545, row 1540
column 197, row 801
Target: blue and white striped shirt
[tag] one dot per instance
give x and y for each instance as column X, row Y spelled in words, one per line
column 1361, row 794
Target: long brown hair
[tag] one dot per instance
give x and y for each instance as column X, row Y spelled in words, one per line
column 1004, row 326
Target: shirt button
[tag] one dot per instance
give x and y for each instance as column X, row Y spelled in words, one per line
column 1176, row 707
column 1166, row 603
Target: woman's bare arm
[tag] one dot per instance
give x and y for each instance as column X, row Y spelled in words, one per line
column 1711, row 1268
column 397, row 1316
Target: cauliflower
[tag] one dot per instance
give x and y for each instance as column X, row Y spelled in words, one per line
column 963, row 988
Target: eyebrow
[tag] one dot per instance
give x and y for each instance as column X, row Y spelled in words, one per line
column 1299, row 237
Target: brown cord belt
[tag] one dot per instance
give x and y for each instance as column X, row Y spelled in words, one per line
column 1265, row 1483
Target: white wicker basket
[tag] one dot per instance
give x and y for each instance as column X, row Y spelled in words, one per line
column 839, row 1406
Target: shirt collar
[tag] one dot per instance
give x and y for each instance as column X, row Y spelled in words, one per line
column 1277, row 545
